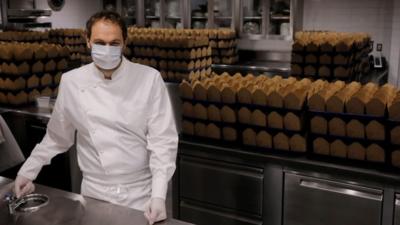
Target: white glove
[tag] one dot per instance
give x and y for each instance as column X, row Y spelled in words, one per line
column 23, row 186
column 155, row 211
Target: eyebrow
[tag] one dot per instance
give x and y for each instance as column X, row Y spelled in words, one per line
column 112, row 41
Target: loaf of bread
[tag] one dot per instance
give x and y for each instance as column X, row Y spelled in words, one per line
column 33, row 95
column 23, row 68
column 199, row 91
column 213, row 93
column 57, row 78
column 394, row 107
column 356, row 151
column 18, row 99
column 249, row 137
column 355, row 129
column 264, row 140
column 396, row 158
column 228, row 115
column 244, row 115
column 46, row 80
column 275, row 120
column 258, row 118
column 375, row 153
column 259, row 97
column 38, row 67
column 276, row 97
column 200, row 111
column 319, row 125
column 296, row 97
column 298, row 143
column 281, row 141
column 337, row 127
column 321, row 146
column 375, row 131
column 229, row 134
column 213, row 131
column 46, row 92
column 185, row 90
column 187, row 110
column 337, row 101
column 200, row 129
column 214, row 114
column 357, row 103
column 379, row 101
column 395, row 135
column 292, row 122
column 318, row 100
column 244, row 94
column 338, row 149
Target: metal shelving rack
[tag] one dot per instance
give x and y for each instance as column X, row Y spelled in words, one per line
column 22, row 18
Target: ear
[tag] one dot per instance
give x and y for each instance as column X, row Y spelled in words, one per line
column 88, row 45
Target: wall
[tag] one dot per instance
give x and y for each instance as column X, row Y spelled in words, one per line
column 395, row 53
column 376, row 17
column 74, row 14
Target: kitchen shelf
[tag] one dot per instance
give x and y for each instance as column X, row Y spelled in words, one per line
column 252, row 18
column 199, row 18
column 273, row 17
column 153, row 17
column 174, row 18
column 223, row 17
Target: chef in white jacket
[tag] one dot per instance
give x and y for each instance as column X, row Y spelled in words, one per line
column 126, row 133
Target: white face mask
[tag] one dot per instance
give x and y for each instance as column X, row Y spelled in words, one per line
column 106, row 56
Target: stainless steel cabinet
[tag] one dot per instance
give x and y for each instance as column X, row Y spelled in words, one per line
column 214, row 192
column 313, row 201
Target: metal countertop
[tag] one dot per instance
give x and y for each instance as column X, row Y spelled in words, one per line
column 67, row 208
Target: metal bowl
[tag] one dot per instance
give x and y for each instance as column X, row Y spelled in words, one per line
column 31, row 203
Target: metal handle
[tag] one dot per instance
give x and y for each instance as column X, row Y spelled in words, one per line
column 397, row 201
column 335, row 187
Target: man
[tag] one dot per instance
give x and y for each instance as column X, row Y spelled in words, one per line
column 126, row 134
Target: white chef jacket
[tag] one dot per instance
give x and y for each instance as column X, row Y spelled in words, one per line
column 126, row 133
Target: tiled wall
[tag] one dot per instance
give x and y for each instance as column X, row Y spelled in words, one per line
column 380, row 18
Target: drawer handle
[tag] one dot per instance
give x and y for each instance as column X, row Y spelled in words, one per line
column 368, row 194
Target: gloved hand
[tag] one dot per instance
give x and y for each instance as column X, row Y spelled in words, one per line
column 155, row 211
column 23, row 186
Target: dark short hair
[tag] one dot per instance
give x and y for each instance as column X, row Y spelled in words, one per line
column 106, row 15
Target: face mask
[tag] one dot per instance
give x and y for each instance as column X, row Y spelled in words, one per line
column 106, row 56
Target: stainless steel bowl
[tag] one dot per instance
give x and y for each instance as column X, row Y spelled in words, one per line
column 31, row 203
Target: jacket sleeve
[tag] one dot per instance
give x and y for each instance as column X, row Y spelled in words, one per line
column 58, row 139
column 162, row 139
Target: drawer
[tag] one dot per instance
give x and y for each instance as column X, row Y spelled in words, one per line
column 314, row 201
column 203, row 216
column 232, row 186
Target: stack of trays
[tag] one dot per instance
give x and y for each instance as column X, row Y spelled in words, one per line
column 271, row 112
column 24, row 36
column 224, row 46
column 394, row 129
column 349, row 121
column 209, row 109
column 176, row 54
column 330, row 55
column 30, row 70
column 75, row 40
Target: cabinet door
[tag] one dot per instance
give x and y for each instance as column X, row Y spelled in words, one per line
column 229, row 186
column 205, row 216
column 397, row 210
column 315, row 201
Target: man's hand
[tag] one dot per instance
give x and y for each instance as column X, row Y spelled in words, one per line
column 23, row 186
column 155, row 210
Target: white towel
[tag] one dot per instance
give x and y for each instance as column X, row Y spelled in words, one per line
column 10, row 152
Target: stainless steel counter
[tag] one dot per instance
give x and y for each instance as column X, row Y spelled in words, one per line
column 67, row 208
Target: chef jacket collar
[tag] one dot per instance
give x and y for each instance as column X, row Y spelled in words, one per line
column 115, row 75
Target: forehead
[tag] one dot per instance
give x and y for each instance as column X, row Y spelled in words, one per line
column 106, row 30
